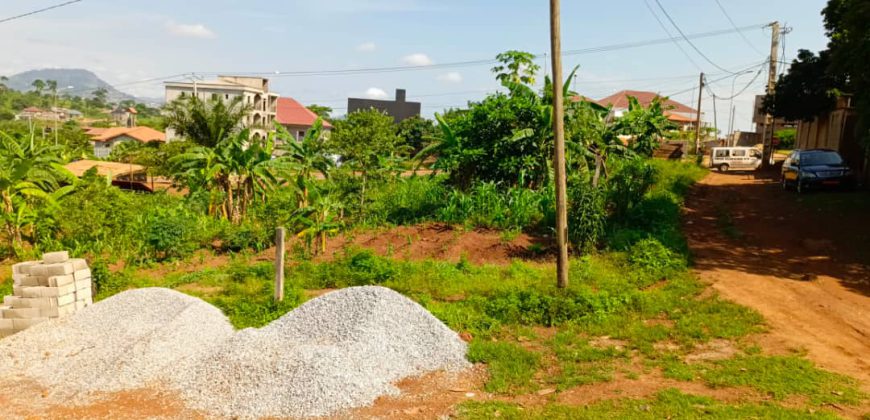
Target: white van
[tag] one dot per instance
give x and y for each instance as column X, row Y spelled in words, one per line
column 735, row 158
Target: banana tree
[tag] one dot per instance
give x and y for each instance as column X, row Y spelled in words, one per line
column 306, row 157
column 31, row 179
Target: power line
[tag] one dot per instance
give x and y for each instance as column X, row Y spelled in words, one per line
column 732, row 74
column 392, row 69
column 704, row 56
column 39, row 11
column 742, row 35
column 714, row 95
column 676, row 42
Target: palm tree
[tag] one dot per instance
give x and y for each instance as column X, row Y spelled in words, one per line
column 30, row 175
column 206, row 123
column 39, row 85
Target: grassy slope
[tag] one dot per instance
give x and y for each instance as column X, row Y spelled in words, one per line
column 533, row 336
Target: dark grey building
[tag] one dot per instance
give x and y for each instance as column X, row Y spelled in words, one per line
column 399, row 109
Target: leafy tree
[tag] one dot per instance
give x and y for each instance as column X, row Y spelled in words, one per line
column 100, row 97
column 415, row 130
column 849, row 46
column 807, row 90
column 39, row 85
column 320, row 110
column 206, row 123
column 646, row 126
column 362, row 140
column 516, row 67
column 52, row 86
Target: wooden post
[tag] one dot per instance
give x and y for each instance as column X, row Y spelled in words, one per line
column 698, row 117
column 559, row 147
column 279, row 264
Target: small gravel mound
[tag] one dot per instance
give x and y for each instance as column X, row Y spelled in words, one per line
column 339, row 351
column 126, row 341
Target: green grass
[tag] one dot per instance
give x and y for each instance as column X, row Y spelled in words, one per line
column 666, row 404
column 784, row 376
column 511, row 367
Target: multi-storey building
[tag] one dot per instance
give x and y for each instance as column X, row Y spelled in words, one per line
column 253, row 90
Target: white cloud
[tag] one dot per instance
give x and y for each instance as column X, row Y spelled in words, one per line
column 418, row 59
column 451, row 77
column 366, row 47
column 197, row 30
column 376, row 93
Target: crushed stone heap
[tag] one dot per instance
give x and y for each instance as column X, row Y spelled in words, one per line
column 336, row 352
column 55, row 287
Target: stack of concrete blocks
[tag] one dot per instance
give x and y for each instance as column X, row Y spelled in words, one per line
column 52, row 288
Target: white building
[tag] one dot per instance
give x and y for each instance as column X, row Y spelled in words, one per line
column 254, row 91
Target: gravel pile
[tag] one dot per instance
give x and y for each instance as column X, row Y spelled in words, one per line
column 126, row 341
column 339, row 351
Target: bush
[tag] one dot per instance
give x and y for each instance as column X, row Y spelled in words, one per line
column 168, row 233
column 247, row 235
column 628, row 185
column 354, row 268
column 531, row 307
column 487, row 205
column 405, row 201
column 587, row 215
column 650, row 255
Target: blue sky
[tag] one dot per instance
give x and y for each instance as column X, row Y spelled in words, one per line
column 125, row 42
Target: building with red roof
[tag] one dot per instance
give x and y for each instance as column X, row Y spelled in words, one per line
column 105, row 139
column 296, row 118
column 682, row 115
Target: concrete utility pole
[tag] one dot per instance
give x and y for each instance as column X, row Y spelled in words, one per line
column 767, row 139
column 698, row 119
column 559, row 149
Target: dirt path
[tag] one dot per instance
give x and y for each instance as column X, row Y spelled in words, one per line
column 801, row 261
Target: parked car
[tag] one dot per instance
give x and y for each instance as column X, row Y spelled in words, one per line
column 735, row 158
column 815, row 168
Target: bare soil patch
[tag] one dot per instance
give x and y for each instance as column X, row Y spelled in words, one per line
column 798, row 262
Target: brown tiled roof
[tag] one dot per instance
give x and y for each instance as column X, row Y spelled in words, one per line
column 143, row 134
column 620, row 100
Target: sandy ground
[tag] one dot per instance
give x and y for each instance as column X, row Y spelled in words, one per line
column 803, row 268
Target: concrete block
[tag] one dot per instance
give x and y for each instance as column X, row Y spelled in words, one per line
column 79, row 263
column 5, row 324
column 57, row 281
column 55, row 257
column 58, row 269
column 19, row 313
column 65, row 300
column 32, row 281
column 58, row 312
column 23, row 267
column 40, row 292
column 83, row 284
column 16, row 290
column 82, row 274
column 10, row 301
column 86, row 293
column 37, row 303
column 24, row 323
column 35, row 270
column 6, row 332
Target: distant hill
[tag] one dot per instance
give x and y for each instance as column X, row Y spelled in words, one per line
column 84, row 82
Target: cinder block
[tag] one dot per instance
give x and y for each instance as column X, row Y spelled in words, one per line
column 24, row 323
column 40, row 292
column 19, row 313
column 32, row 281
column 5, row 324
column 38, row 303
column 10, row 301
column 79, row 263
column 58, row 269
column 83, row 284
column 16, row 290
column 86, row 293
column 55, row 257
column 24, row 267
column 6, row 332
column 82, row 274
column 65, row 300
column 58, row 312
column 57, row 281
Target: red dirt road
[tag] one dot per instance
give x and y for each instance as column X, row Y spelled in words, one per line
column 800, row 261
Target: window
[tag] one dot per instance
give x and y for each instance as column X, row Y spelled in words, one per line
column 300, row 134
column 738, row 153
column 721, row 153
column 182, row 95
column 227, row 96
column 214, row 96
